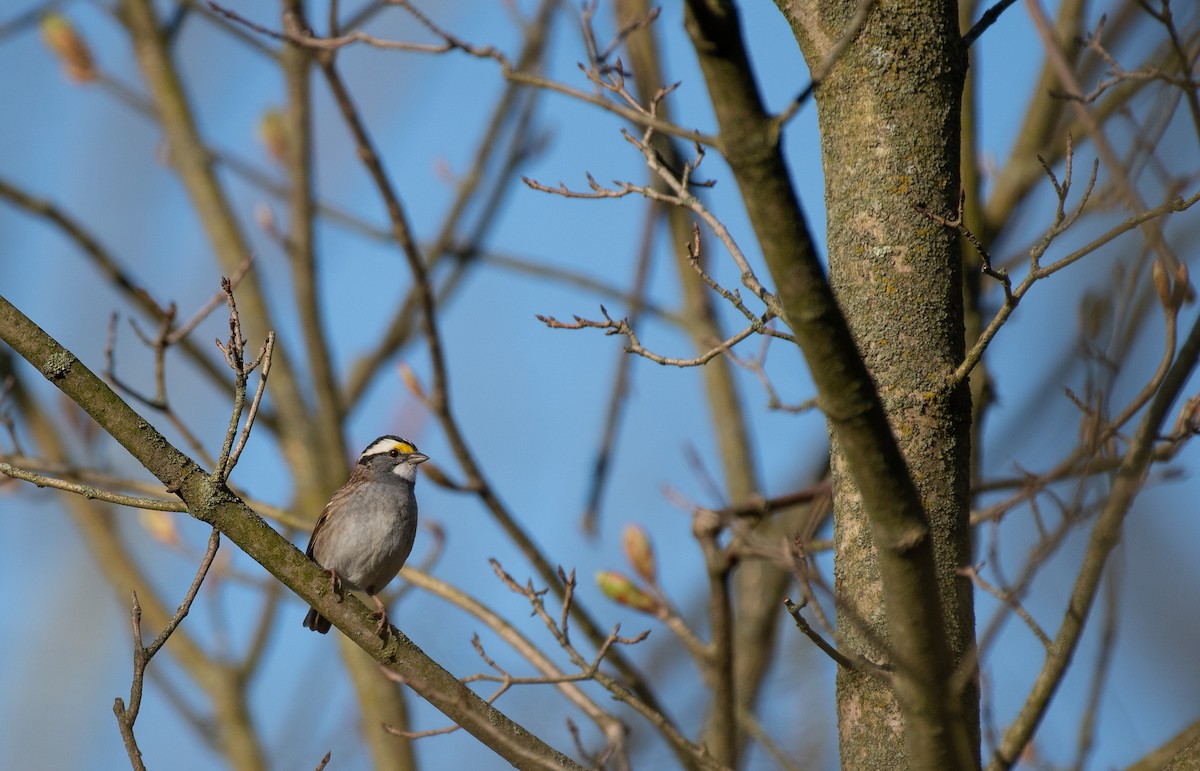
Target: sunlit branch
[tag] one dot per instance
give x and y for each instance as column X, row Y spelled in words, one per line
column 90, row 492
column 621, row 327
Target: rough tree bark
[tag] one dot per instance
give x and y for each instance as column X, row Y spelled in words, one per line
column 889, row 113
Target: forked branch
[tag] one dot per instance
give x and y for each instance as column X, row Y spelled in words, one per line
column 142, row 654
column 235, row 356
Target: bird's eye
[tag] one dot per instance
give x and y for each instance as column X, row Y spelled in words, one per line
column 394, row 453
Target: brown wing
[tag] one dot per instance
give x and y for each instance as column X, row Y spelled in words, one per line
column 334, row 504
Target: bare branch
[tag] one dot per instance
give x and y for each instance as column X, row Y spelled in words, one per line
column 757, row 366
column 618, row 690
column 90, row 492
column 612, row 728
column 622, row 327
column 989, row 17
column 99, row 485
column 235, row 355
column 1038, row 271
column 1010, row 599
column 127, row 716
column 957, row 223
column 1126, row 484
column 857, row 664
column 263, row 359
column 450, row 42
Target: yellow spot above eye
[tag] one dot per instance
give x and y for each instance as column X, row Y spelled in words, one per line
column 389, row 446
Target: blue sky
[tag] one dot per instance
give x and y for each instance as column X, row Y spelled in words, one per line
column 531, row 399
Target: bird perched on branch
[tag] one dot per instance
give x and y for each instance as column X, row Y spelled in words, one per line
column 366, row 531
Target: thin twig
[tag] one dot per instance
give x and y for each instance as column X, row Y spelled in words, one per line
column 264, row 358
column 612, row 728
column 186, row 328
column 166, row 337
column 842, row 660
column 507, row 681
column 757, row 367
column 685, row 747
column 450, row 43
column 127, row 716
column 1126, row 187
column 1010, row 599
column 621, row 327
column 439, row 395
column 680, row 195
column 90, row 492
column 103, row 486
column 1039, row 272
column 957, row 222
column 235, row 356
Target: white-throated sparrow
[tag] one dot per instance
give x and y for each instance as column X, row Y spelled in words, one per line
column 367, row 529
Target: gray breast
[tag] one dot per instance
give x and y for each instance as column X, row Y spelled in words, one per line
column 368, row 544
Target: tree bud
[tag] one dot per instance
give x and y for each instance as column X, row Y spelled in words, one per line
column 621, row 590
column 640, row 552
column 60, row 37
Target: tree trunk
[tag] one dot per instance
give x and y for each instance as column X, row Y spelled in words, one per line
column 889, row 113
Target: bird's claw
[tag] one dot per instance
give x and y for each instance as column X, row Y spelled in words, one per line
column 382, row 629
column 335, row 585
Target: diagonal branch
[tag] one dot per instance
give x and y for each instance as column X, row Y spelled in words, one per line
column 1106, row 534
column 215, row 504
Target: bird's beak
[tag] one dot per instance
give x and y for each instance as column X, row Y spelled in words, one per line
column 417, row 458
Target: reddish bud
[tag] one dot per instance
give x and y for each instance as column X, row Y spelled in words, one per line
column 640, row 552
column 410, row 379
column 1183, row 287
column 60, row 37
column 1162, row 284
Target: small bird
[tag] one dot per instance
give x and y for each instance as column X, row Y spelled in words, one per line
column 366, row 531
